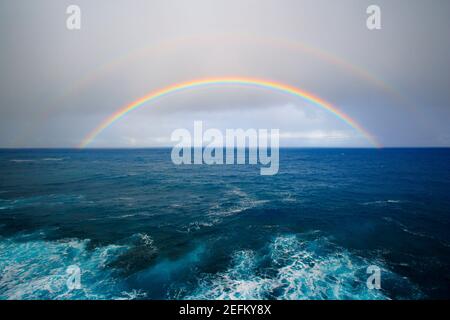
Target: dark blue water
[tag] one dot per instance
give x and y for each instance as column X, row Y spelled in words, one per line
column 140, row 227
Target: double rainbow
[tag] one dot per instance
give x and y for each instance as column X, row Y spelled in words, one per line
column 258, row 83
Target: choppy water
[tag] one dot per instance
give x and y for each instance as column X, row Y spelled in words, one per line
column 140, row 227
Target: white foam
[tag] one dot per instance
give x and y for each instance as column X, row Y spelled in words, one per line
column 22, row 160
column 382, row 202
column 298, row 269
column 33, row 268
column 240, row 200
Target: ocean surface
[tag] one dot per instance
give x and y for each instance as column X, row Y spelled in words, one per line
column 140, row 227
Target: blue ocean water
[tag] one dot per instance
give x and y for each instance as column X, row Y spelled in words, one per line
column 140, row 227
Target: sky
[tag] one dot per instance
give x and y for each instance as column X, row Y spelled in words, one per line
column 57, row 85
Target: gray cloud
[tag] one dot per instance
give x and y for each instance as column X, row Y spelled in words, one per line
column 57, row 85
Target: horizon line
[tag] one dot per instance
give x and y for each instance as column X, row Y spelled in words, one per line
column 170, row 147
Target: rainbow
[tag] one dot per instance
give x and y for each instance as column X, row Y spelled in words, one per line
column 258, row 83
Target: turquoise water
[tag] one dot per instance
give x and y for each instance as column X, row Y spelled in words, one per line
column 140, row 227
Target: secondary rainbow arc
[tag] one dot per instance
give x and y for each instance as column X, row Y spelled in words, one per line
column 277, row 86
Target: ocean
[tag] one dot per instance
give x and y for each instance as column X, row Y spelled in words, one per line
column 139, row 227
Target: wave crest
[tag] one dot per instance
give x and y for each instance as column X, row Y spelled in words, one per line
column 291, row 268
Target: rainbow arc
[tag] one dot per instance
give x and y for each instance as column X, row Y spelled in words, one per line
column 201, row 83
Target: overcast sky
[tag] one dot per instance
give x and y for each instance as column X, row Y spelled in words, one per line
column 57, row 85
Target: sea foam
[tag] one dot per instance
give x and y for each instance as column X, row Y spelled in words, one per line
column 33, row 268
column 291, row 268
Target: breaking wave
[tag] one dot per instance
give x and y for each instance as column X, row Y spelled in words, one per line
column 291, row 268
column 33, row 268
